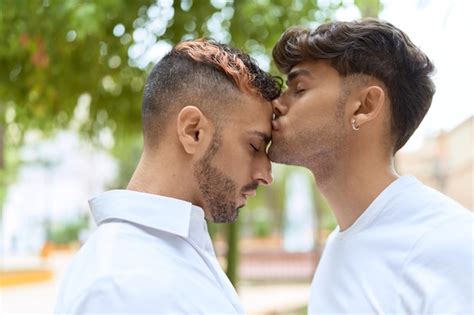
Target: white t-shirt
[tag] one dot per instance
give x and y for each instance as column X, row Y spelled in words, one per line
column 149, row 254
column 410, row 252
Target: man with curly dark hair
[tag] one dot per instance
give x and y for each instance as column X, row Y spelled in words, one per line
column 206, row 115
column 356, row 93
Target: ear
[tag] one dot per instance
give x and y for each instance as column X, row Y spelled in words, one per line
column 368, row 106
column 191, row 126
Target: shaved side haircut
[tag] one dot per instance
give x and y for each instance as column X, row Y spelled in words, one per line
column 368, row 47
column 205, row 74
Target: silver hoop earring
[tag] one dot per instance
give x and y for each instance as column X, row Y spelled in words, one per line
column 355, row 126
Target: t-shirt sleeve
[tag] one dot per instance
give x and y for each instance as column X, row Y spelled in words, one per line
column 438, row 275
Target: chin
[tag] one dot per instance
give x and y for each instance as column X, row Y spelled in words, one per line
column 229, row 218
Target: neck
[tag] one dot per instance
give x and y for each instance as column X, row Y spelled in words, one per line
column 160, row 175
column 354, row 184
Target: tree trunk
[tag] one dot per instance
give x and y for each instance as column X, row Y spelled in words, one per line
column 233, row 252
column 3, row 182
column 318, row 204
column 2, row 148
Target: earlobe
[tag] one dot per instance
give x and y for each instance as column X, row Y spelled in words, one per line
column 372, row 100
column 190, row 126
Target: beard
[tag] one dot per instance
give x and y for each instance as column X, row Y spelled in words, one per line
column 315, row 147
column 218, row 190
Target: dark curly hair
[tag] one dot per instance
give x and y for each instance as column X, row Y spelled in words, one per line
column 204, row 73
column 371, row 47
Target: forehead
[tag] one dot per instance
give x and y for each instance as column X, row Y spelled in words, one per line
column 253, row 112
column 315, row 70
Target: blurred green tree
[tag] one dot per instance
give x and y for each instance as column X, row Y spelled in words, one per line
column 57, row 55
column 55, row 51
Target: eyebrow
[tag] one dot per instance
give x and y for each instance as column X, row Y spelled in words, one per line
column 262, row 135
column 296, row 73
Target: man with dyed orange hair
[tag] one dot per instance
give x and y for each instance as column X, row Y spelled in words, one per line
column 206, row 117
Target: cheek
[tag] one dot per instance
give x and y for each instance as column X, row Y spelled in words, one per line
column 311, row 120
column 301, row 116
column 319, row 107
column 235, row 163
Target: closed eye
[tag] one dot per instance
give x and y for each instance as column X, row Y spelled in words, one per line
column 299, row 92
column 254, row 148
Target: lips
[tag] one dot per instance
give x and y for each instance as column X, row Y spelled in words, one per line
column 249, row 193
column 249, row 190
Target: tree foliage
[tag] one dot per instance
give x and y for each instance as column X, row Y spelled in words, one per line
column 55, row 51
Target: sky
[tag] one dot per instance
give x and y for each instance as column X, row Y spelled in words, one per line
column 442, row 29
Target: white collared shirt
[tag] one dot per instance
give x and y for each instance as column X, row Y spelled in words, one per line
column 149, row 254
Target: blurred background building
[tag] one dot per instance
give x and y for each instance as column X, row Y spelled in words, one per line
column 445, row 162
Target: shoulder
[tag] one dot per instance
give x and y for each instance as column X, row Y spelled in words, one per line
column 438, row 271
column 418, row 194
column 446, row 242
column 171, row 287
column 129, row 293
column 116, row 247
column 424, row 207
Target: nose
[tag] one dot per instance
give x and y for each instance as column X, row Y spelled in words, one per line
column 263, row 174
column 279, row 109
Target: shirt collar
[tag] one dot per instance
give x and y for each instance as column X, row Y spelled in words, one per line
column 167, row 214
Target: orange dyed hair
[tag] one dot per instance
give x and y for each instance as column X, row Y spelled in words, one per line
column 204, row 51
